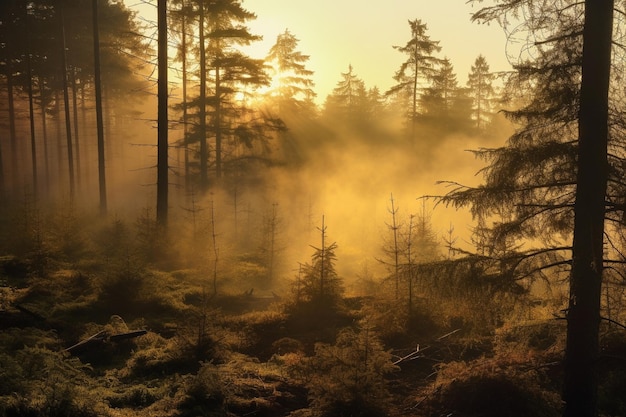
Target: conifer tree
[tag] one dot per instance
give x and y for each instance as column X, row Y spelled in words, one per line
column 292, row 83
column 481, row 91
column 416, row 71
column 348, row 99
column 320, row 283
column 555, row 178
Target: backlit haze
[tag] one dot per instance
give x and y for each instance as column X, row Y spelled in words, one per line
column 336, row 34
column 352, row 190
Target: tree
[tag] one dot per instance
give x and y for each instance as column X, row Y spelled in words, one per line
column 291, row 79
column 348, row 378
column 444, row 104
column 416, row 70
column 291, row 94
column 162, row 140
column 66, row 100
column 97, row 80
column 320, row 283
column 348, row 100
column 41, row 73
column 555, row 177
column 232, row 71
column 583, row 315
column 226, row 77
column 181, row 21
column 479, row 82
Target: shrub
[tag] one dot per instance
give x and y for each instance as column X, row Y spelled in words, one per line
column 203, row 394
column 492, row 388
column 347, row 378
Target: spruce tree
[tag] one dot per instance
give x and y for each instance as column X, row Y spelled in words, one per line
column 481, row 91
column 555, row 179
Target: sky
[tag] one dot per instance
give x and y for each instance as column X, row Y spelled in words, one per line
column 339, row 33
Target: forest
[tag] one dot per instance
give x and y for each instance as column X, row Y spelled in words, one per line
column 187, row 230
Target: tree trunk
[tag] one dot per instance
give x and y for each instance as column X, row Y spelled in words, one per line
column 184, row 82
column 44, row 130
column 583, row 315
column 29, row 74
column 66, row 104
column 75, row 118
column 204, row 154
column 218, row 124
column 9, row 75
column 99, row 121
column 162, row 168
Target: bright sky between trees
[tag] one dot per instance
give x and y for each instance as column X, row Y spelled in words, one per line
column 339, row 33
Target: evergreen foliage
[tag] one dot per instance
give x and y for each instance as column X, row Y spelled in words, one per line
column 348, row 378
column 292, row 81
column 481, row 91
column 416, row 71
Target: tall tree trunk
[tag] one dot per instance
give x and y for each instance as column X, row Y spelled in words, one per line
column 218, row 124
column 99, row 121
column 204, row 153
column 29, row 74
column 162, row 162
column 583, row 315
column 44, row 130
column 83, row 124
column 184, row 81
column 66, row 104
column 13, row 136
column 59, row 137
column 75, row 117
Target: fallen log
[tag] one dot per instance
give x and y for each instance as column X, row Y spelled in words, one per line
column 101, row 338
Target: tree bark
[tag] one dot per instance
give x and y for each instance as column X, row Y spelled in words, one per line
column 66, row 105
column 44, row 130
column 162, row 142
column 184, row 82
column 31, row 112
column 583, row 315
column 99, row 121
column 75, row 118
column 204, row 153
column 218, row 123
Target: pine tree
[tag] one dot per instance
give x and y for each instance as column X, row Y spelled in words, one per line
column 292, row 82
column 555, row 179
column 416, row 71
column 348, row 378
column 348, row 100
column 481, row 91
column 320, row 283
column 438, row 98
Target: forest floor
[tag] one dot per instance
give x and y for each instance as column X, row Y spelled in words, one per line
column 156, row 344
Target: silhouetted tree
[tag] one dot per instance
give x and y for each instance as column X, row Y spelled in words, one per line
column 348, row 100
column 445, row 105
column 292, row 82
column 481, row 91
column 97, row 81
column 555, row 178
column 42, row 73
column 181, row 20
column 231, row 72
column 416, row 71
column 227, row 76
column 348, row 378
column 319, row 282
column 162, row 140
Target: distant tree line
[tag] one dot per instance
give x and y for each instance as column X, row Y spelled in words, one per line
column 235, row 115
